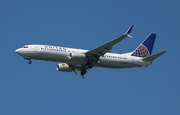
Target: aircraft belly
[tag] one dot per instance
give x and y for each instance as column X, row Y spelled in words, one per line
column 56, row 57
column 115, row 63
column 51, row 56
column 76, row 62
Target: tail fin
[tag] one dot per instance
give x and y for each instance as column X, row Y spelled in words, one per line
column 146, row 47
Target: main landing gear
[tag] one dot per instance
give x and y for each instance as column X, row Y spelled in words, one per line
column 83, row 72
column 89, row 64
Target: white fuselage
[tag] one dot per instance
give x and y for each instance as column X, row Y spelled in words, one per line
column 62, row 54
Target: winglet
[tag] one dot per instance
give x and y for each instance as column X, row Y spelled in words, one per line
column 128, row 32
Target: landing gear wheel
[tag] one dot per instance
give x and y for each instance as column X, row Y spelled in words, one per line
column 83, row 72
column 89, row 64
column 30, row 62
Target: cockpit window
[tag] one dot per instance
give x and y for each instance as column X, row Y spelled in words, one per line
column 25, row 46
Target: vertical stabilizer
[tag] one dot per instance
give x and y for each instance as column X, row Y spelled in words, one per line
column 146, row 47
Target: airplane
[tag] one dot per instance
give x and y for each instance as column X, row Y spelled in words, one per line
column 80, row 60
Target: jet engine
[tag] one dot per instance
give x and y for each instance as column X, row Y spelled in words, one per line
column 64, row 67
column 77, row 56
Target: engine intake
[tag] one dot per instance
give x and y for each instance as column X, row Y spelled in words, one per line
column 64, row 67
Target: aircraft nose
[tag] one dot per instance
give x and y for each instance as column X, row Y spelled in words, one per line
column 18, row 51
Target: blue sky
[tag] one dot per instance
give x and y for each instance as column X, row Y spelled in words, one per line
column 40, row 89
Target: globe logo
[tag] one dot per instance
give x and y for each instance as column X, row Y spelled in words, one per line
column 141, row 51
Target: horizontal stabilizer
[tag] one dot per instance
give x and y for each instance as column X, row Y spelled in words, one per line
column 153, row 57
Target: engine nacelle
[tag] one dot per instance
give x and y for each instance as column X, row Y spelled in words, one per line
column 77, row 56
column 64, row 67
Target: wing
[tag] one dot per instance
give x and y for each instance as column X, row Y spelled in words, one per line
column 103, row 49
column 93, row 55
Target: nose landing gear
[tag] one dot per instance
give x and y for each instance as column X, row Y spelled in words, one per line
column 30, row 62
